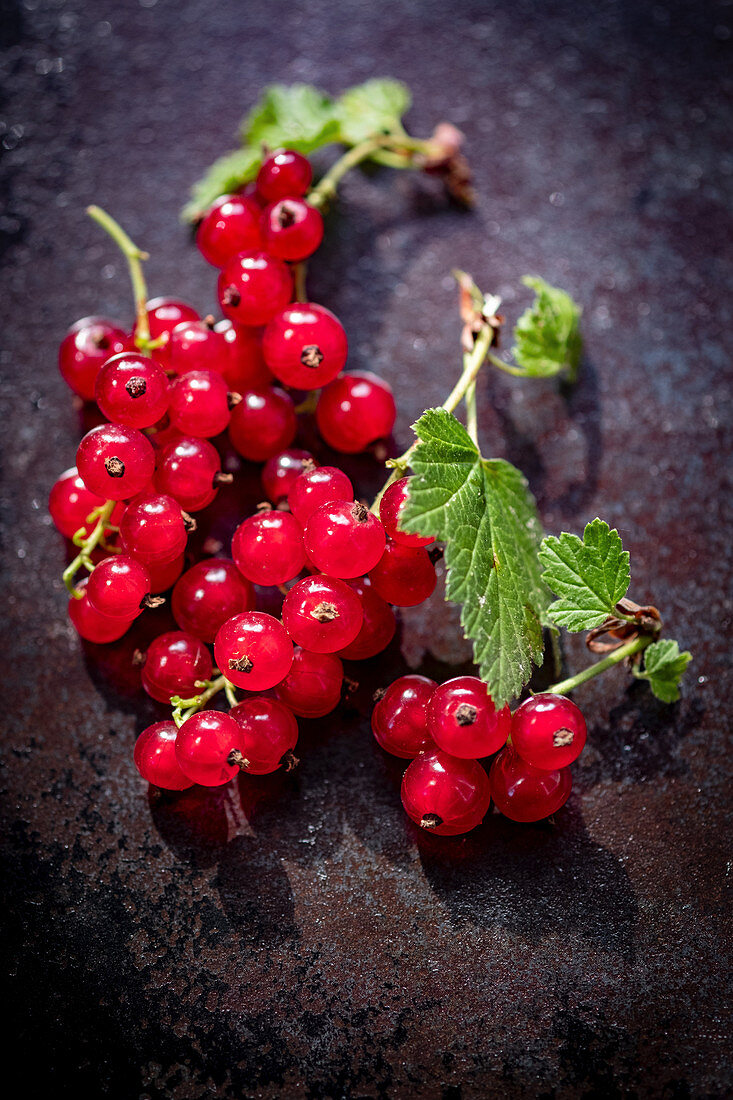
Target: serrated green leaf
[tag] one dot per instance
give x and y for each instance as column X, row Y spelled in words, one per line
column 664, row 667
column 298, row 116
column 484, row 512
column 590, row 575
column 375, row 107
column 226, row 174
column 547, row 335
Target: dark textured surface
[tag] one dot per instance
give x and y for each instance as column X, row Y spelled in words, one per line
column 295, row 936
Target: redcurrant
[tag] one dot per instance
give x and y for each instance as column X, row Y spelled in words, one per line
column 391, row 507
column 269, row 735
column 463, row 720
column 268, row 548
column 253, row 650
column 205, row 743
column 253, row 287
column 524, row 793
column 344, row 539
column 444, row 794
column 189, row 470
column 292, row 229
column 199, row 404
column 154, row 528
column 262, row 424
column 355, row 410
column 305, row 346
column 208, row 594
column 86, row 348
column 282, row 470
column 174, row 663
column 230, row 225
column 284, row 173
column 322, row 614
column 132, row 390
column 399, row 718
column 118, row 587
column 404, row 575
column 312, row 688
column 548, row 731
column 90, row 623
column 378, row 627
column 155, row 757
column 115, row 462
column 315, row 487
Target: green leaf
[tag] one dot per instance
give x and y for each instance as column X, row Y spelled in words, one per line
column 547, row 336
column 226, row 174
column 484, row 512
column 664, row 667
column 296, row 115
column 375, row 107
column 590, row 575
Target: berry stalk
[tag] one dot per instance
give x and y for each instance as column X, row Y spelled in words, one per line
column 629, row 649
column 184, row 708
column 83, row 558
column 395, row 150
column 134, row 257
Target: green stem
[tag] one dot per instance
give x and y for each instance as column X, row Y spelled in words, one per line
column 82, row 559
column 134, row 256
column 495, row 361
column 636, row 645
column 300, row 270
column 471, row 413
column 472, row 362
column 184, row 708
column 325, row 189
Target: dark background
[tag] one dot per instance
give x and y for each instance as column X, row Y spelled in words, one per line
column 297, row 937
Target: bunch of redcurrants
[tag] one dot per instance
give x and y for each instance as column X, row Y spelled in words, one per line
column 166, row 393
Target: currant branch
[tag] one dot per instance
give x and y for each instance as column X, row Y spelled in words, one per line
column 87, row 545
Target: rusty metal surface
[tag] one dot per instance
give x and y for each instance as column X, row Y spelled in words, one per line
column 294, row 936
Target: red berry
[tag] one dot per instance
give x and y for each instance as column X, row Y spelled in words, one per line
column 446, row 795
column 262, row 424
column 282, row 470
column 463, row 720
column 322, row 614
column 189, row 470
column 85, row 349
column 344, row 539
column 524, row 793
column 70, row 502
column 305, row 346
column 163, row 316
column 404, row 575
column 115, row 462
column 312, row 688
column 399, row 718
column 204, row 745
column 284, row 173
column 253, row 287
column 314, row 487
column 253, row 650
column 90, row 623
column 292, row 229
column 268, row 548
column 390, row 509
column 199, row 404
column 245, row 367
column 378, row 627
column 118, row 586
column 230, row 225
column 208, row 594
column 175, row 661
column 164, row 574
column 153, row 528
column 355, row 410
column 269, row 734
column 132, row 390
column 197, row 345
column 155, row 757
column 548, row 731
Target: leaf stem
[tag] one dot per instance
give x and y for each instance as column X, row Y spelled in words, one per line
column 82, row 559
column 471, row 413
column 495, row 361
column 636, row 645
column 134, row 257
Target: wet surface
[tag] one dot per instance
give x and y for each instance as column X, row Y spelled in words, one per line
column 295, row 936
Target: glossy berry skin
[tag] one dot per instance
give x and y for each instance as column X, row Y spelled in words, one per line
column 115, row 462
column 355, row 410
column 292, row 229
column 230, row 225
column 163, row 316
column 244, row 364
column 204, row 743
column 305, row 346
column 312, row 688
column 199, row 404
column 164, row 574
column 253, row 287
column 463, row 720
column 524, row 793
column 208, row 594
column 262, row 424
column 312, row 488
column 132, row 390
column 445, row 795
column 155, row 757
column 378, row 626
column 322, row 614
column 85, row 349
column 268, row 548
column 399, row 718
column 188, row 470
column 282, row 470
column 404, row 575
column 269, row 733
column 153, row 528
column 253, row 650
column 90, row 623
column 196, row 345
column 70, row 502
column 118, row 586
column 390, row 509
column 344, row 539
column 548, row 731
column 175, row 661
column 282, row 174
